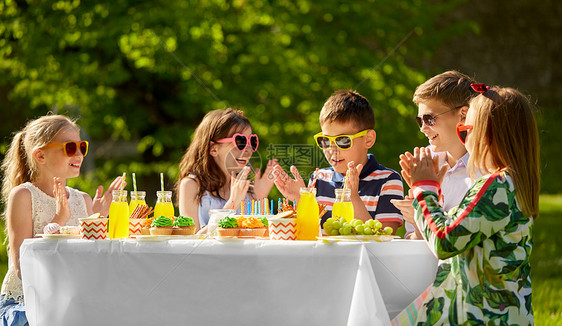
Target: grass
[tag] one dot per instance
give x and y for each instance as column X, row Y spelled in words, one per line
column 546, row 262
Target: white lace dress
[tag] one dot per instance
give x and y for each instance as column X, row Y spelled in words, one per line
column 43, row 208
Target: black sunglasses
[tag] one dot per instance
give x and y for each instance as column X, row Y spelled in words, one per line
column 429, row 119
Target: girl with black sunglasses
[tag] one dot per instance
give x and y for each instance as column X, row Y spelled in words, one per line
column 215, row 167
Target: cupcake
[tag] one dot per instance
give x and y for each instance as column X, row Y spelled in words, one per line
column 228, row 227
column 146, row 223
column 161, row 226
column 183, row 226
column 250, row 226
column 70, row 230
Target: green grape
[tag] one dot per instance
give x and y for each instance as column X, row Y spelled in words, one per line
column 345, row 230
column 328, row 228
column 336, row 225
column 367, row 231
column 360, row 229
column 370, row 223
column 329, row 224
column 356, row 222
column 334, row 232
column 342, row 220
column 348, row 225
column 377, row 225
column 330, row 220
column 388, row 230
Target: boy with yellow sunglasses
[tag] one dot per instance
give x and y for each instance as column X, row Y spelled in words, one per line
column 347, row 123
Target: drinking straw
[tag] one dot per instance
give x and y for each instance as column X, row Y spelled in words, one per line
column 279, row 206
column 271, row 208
column 242, row 208
column 313, row 183
column 134, row 182
column 162, row 181
column 345, row 185
column 253, row 206
column 122, row 186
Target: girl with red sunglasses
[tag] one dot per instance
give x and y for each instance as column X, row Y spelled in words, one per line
column 488, row 237
column 215, row 169
column 39, row 160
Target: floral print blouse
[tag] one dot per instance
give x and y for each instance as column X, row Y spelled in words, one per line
column 489, row 241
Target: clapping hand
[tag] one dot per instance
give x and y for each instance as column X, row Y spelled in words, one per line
column 289, row 187
column 421, row 166
column 239, row 185
column 353, row 172
column 264, row 183
column 62, row 213
column 102, row 200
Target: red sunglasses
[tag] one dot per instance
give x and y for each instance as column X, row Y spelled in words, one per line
column 242, row 141
column 462, row 131
column 71, row 147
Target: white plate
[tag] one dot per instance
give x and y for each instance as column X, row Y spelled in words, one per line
column 358, row 238
column 148, row 238
column 239, row 238
column 60, row 236
column 188, row 237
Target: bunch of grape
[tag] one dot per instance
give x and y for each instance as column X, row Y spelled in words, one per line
column 335, row 226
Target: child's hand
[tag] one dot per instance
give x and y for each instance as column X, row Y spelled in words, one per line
column 423, row 167
column 263, row 184
column 62, row 213
column 353, row 173
column 102, row 200
column 239, row 185
column 289, row 188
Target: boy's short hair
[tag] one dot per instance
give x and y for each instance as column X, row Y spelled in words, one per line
column 348, row 106
column 452, row 88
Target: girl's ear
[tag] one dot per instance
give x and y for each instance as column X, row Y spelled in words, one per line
column 371, row 138
column 213, row 149
column 39, row 156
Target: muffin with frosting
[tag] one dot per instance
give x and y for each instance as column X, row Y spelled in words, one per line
column 250, row 226
column 183, row 226
column 146, row 223
column 228, row 227
column 161, row 226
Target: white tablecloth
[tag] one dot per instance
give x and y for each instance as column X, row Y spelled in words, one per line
column 208, row 282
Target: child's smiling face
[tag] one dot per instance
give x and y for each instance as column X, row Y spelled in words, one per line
column 229, row 158
column 339, row 158
column 56, row 161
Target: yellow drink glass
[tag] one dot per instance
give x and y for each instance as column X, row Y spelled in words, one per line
column 343, row 207
column 119, row 215
column 164, row 206
column 308, row 220
column 137, row 198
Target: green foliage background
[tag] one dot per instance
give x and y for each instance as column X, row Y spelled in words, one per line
column 141, row 75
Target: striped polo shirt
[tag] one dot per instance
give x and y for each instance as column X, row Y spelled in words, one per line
column 377, row 186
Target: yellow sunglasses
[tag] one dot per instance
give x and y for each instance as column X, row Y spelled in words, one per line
column 342, row 141
column 71, row 147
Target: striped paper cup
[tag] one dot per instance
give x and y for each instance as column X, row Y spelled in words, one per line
column 93, row 228
column 282, row 228
column 135, row 226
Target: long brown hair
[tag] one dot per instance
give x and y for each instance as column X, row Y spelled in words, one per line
column 197, row 159
column 19, row 166
column 506, row 133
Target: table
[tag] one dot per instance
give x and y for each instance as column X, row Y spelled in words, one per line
column 210, row 282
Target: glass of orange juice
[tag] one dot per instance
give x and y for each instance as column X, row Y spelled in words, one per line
column 343, row 207
column 137, row 198
column 119, row 215
column 164, row 206
column 308, row 220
